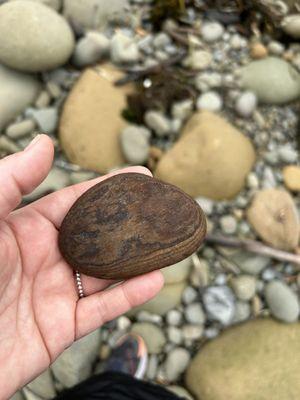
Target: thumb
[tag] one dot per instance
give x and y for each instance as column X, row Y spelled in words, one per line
column 22, row 172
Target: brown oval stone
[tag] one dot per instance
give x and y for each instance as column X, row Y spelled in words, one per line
column 128, row 225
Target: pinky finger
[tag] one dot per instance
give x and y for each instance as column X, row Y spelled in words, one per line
column 93, row 311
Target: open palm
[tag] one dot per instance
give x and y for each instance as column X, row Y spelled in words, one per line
column 40, row 312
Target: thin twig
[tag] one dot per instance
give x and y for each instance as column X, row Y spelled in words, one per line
column 253, row 247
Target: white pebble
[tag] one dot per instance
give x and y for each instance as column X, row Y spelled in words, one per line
column 157, row 121
column 176, row 363
column 246, row 104
column 182, row 109
column 174, row 317
column 210, row 101
column 135, row 144
column 123, row 49
column 90, row 49
column 198, row 59
column 212, row 31
column 228, row 224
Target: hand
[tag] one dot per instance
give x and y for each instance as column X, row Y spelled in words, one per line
column 40, row 313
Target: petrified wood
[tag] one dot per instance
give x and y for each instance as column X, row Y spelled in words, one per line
column 128, row 225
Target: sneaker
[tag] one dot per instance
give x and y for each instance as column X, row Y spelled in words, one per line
column 128, row 356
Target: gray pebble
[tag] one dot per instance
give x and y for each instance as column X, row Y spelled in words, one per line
column 211, row 333
column 287, row 154
column 276, row 48
column 123, row 49
column 242, row 312
column 250, row 263
column 207, row 205
column 43, row 100
column 282, row 301
column 246, row 104
column 135, row 144
column 182, row 109
column 54, row 90
column 210, row 101
column 228, row 224
column 174, row 317
column 91, row 48
column 20, row 129
column 212, row 31
column 219, row 304
column 269, row 274
column 7, row 145
column 161, row 40
column 157, row 121
column 46, row 118
column 174, row 335
column 145, row 316
column 176, row 363
column 189, row 295
column 244, row 287
column 194, row 314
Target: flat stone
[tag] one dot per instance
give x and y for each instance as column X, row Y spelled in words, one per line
column 20, row 129
column 91, row 121
column 211, row 159
column 43, row 385
column 291, row 177
column 255, row 360
column 176, row 363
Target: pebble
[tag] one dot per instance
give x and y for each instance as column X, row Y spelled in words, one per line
column 45, row 118
column 242, row 312
column 228, row 224
column 152, row 367
column 244, row 287
column 212, row 31
column 174, row 317
column 194, row 314
column 274, row 217
column 174, row 335
column 182, row 109
column 273, row 80
column 157, row 121
column 181, row 392
column 198, row 60
column 282, row 301
column 250, row 263
column 153, row 336
column 252, row 181
column 17, row 91
column 287, row 153
column 145, row 316
column 43, row 100
column 91, row 48
column 123, row 323
column 56, row 180
column 189, row 295
column 81, row 176
column 20, row 129
column 207, row 80
column 291, row 25
column 161, row 40
column 208, row 143
column 135, row 144
column 246, row 104
column 261, row 356
column 42, row 38
column 219, row 304
column 177, row 361
column 210, row 101
column 123, row 49
column 291, row 177
column 94, row 14
column 206, row 204
column 258, row 50
column 8, row 146
column 192, row 332
column 276, row 48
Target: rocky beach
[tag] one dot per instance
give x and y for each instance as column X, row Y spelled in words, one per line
column 206, row 95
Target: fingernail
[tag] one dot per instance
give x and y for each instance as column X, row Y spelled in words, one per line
column 33, row 142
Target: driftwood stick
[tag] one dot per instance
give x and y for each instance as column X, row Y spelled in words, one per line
column 253, row 247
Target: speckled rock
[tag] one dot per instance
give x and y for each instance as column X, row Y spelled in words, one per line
column 211, row 159
column 252, row 361
column 17, row 91
column 274, row 217
column 91, row 120
column 273, row 80
column 33, row 37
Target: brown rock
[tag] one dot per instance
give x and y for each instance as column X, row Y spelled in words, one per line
column 211, row 159
column 258, row 360
column 291, row 177
column 128, row 225
column 91, row 121
column 274, row 217
column 258, row 50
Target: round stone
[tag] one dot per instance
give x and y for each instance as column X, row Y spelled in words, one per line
column 210, row 101
column 33, row 37
column 152, row 334
column 291, row 177
column 246, row 104
column 212, row 31
column 283, row 302
column 244, row 287
column 135, row 144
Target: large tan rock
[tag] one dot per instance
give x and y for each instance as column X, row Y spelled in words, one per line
column 258, row 360
column 91, row 121
column 211, row 159
column 275, row 219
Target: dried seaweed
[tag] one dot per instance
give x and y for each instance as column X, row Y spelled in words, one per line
column 164, row 9
column 165, row 88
